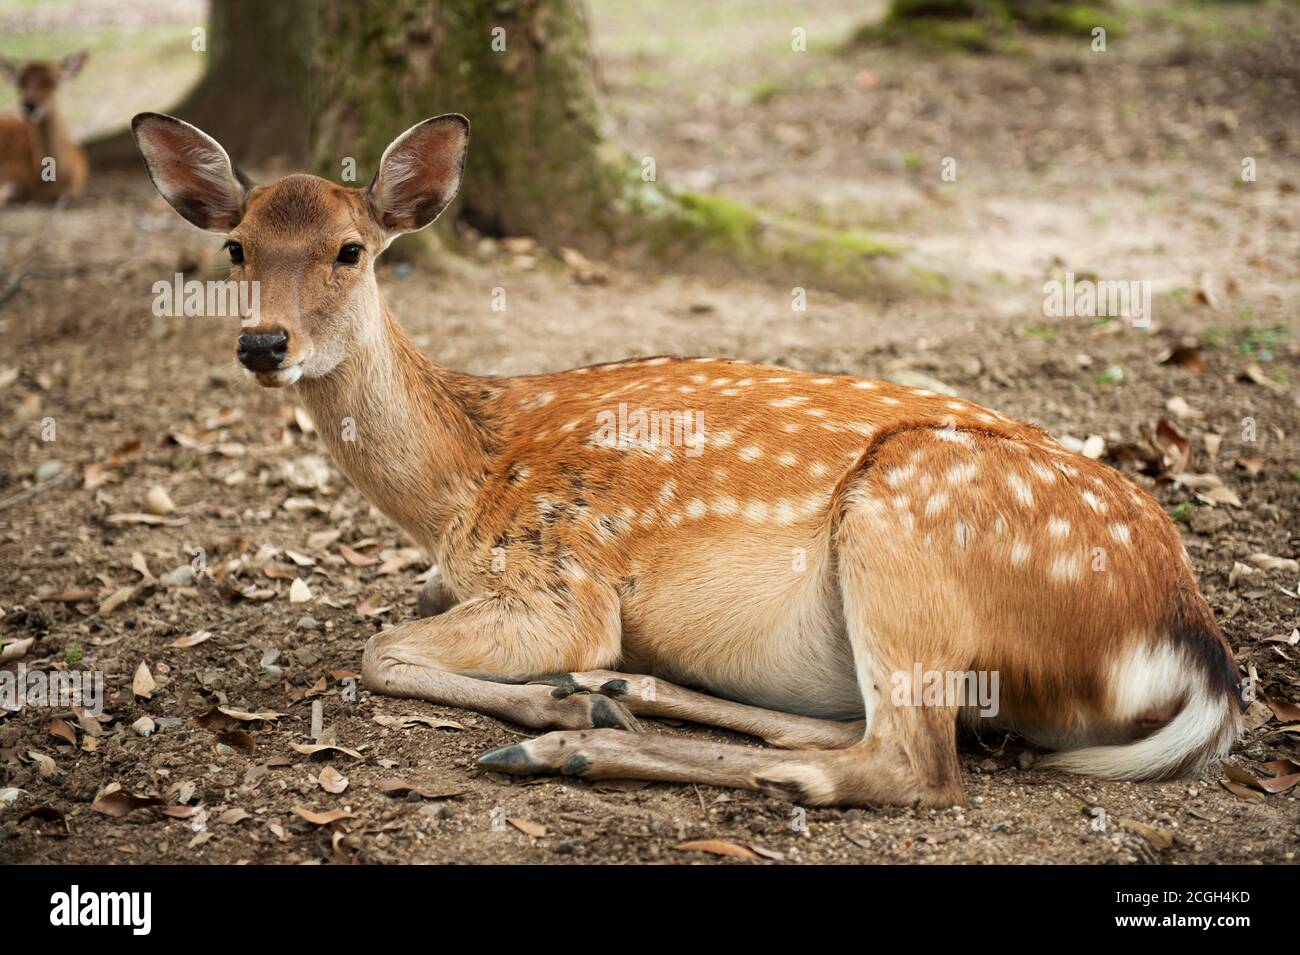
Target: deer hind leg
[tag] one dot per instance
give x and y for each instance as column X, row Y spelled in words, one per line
column 898, row 617
column 653, row 697
column 480, row 654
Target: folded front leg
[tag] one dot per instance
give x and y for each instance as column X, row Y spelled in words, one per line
column 480, row 654
column 651, row 696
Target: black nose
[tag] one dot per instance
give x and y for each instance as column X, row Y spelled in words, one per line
column 29, row 107
column 262, row 352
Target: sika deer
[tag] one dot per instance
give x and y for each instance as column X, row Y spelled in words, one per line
column 798, row 548
column 39, row 159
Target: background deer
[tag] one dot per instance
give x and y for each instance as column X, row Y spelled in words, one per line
column 817, row 537
column 39, row 159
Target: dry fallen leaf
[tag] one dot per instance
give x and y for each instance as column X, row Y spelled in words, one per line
column 1269, row 562
column 1186, row 356
column 238, row 739
column 143, row 683
column 51, row 815
column 121, row 596
column 533, row 829
column 401, row 787
column 15, row 649
column 45, row 765
column 193, row 640
column 1256, row 374
column 404, row 722
column 61, row 729
column 152, row 520
column 141, row 566
column 158, row 501
column 719, row 847
column 312, row 749
column 1159, row 838
column 1179, row 408
column 323, row 818
column 1252, row 465
column 1174, row 447
column 1244, row 792
column 120, row 802
column 1284, row 711
column 354, row 558
column 331, row 780
column 370, row 607
column 276, row 572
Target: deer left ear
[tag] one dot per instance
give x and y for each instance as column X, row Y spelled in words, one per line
column 72, row 63
column 419, row 174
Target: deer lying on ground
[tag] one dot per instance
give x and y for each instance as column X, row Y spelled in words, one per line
column 801, row 547
column 39, row 159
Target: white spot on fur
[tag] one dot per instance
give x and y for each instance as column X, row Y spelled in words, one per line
column 1094, row 502
column 1021, row 489
column 695, row 509
column 1019, row 553
column 936, row 503
column 1066, row 568
column 751, row 453
column 786, row 459
column 896, row 476
column 725, row 506
column 1058, row 527
column 1120, row 532
column 1043, row 474
column 962, row 473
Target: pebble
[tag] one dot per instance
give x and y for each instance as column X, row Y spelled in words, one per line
column 182, row 576
column 144, row 726
column 307, row 622
column 49, row 470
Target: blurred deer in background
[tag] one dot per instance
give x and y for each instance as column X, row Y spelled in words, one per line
column 811, row 550
column 38, row 157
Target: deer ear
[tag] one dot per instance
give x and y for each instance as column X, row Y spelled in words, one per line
column 419, row 174
column 72, row 63
column 191, row 171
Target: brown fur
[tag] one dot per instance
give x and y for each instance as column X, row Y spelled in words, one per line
column 27, row 141
column 826, row 534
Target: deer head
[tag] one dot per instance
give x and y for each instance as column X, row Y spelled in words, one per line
column 310, row 244
column 38, row 82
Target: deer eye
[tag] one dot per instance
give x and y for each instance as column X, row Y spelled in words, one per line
column 350, row 254
column 236, row 252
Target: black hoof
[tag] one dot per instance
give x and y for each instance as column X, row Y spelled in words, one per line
column 606, row 714
column 576, row 765
column 614, row 687
column 512, row 759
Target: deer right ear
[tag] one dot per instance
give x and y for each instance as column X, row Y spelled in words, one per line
column 419, row 174
column 191, row 171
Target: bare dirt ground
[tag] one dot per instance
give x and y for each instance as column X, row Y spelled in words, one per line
column 1120, row 165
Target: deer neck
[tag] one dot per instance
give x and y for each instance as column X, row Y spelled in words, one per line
column 403, row 430
column 50, row 137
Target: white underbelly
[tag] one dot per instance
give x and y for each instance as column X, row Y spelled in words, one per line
column 757, row 634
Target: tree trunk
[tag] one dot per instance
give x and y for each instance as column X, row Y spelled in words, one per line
column 521, row 70
column 330, row 83
column 255, row 94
